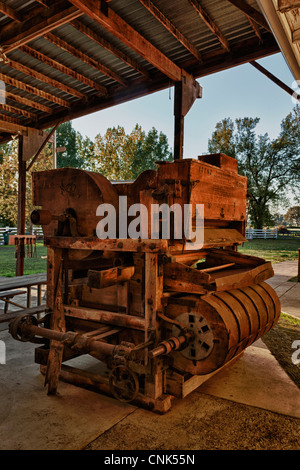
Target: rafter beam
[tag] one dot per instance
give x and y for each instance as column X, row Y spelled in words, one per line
column 80, row 26
column 210, row 24
column 255, row 28
column 40, row 21
column 14, row 110
column 45, row 79
column 63, row 69
column 10, row 12
column 85, row 58
column 254, row 14
column 106, row 17
column 11, row 127
column 33, row 90
column 171, row 28
column 28, row 102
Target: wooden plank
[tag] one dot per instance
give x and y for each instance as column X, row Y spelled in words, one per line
column 210, row 24
column 129, row 36
column 85, row 58
column 147, row 246
column 38, row 22
column 242, row 278
column 110, row 277
column 181, row 278
column 105, row 316
column 64, row 69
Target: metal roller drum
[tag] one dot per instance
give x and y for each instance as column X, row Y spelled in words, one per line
column 224, row 324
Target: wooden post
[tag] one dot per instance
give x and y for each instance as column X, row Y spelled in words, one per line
column 186, row 92
column 55, row 305
column 20, row 251
column 179, row 122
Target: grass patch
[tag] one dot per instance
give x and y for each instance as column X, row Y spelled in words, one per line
column 275, row 251
column 31, row 265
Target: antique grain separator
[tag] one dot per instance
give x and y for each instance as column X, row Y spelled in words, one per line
column 160, row 317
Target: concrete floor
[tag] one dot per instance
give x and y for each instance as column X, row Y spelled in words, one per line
column 254, row 386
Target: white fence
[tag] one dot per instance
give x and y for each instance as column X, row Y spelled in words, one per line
column 13, row 230
column 261, row 233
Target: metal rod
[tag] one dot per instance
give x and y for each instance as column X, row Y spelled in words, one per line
column 276, row 80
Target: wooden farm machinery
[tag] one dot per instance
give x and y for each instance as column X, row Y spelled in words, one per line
column 160, row 315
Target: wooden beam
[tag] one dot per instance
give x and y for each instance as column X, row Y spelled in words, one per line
column 255, row 28
column 11, row 120
column 80, row 26
column 14, row 110
column 33, row 90
column 20, row 253
column 62, row 68
column 215, row 61
column 45, row 79
column 27, row 102
column 40, row 21
column 11, row 127
column 113, row 23
column 36, row 156
column 10, row 12
column 43, row 2
column 171, row 28
column 210, row 24
column 251, row 12
column 85, row 58
column 276, row 80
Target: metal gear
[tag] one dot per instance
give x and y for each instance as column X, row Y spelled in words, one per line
column 124, row 384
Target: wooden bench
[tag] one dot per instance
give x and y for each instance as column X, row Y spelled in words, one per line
column 6, row 297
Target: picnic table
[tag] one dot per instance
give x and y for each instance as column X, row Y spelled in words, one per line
column 9, row 286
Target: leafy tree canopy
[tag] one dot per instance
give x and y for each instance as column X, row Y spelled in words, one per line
column 272, row 166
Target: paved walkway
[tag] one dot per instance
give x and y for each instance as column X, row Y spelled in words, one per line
column 287, row 291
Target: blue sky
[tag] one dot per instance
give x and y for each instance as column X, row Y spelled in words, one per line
column 238, row 92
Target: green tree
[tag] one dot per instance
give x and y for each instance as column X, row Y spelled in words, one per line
column 66, row 137
column 292, row 216
column 121, row 156
column 271, row 166
column 154, row 147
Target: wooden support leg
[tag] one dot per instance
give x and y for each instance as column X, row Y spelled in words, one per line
column 55, row 304
column 154, row 386
column 20, row 252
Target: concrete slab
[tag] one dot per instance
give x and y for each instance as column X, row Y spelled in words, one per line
column 32, row 420
column 256, row 379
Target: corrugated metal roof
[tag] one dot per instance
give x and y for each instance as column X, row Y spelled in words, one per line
column 103, row 76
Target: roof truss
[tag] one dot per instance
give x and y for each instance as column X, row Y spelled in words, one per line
column 63, row 59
